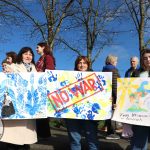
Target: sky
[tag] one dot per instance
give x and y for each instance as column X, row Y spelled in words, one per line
column 126, row 47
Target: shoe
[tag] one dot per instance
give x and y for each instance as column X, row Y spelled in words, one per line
column 119, row 130
column 103, row 129
column 113, row 137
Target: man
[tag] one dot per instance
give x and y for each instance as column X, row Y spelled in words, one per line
column 127, row 129
column 134, row 66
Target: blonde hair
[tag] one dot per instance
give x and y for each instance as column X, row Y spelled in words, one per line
column 110, row 59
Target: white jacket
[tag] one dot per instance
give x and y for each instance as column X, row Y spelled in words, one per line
column 20, row 131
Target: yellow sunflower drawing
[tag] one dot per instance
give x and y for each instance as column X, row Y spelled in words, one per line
column 125, row 87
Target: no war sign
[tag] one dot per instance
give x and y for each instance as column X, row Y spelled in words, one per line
column 79, row 95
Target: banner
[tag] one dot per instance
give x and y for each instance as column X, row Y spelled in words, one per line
column 79, row 95
column 23, row 95
column 133, row 101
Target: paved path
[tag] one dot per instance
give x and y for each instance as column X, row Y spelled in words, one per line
column 59, row 141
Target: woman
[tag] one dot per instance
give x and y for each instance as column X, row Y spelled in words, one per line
column 11, row 57
column 21, row 132
column 74, row 126
column 46, row 61
column 110, row 66
column 141, row 133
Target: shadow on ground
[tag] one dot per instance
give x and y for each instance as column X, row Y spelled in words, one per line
column 59, row 140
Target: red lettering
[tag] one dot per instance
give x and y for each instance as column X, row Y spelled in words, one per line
column 86, row 87
column 73, row 91
column 83, row 87
column 80, row 88
column 60, row 99
column 56, row 99
column 91, row 82
column 64, row 96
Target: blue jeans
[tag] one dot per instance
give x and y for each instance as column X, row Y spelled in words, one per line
column 140, row 138
column 75, row 128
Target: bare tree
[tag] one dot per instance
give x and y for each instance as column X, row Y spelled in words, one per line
column 139, row 13
column 92, row 21
column 53, row 12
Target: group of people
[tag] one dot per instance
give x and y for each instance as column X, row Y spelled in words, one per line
column 22, row 132
column 139, row 134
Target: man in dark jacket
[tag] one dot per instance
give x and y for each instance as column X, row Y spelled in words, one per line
column 134, row 66
column 131, row 72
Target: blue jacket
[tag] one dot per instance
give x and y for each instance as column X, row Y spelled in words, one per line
column 115, row 75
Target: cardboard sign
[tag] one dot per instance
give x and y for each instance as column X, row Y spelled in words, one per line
column 133, row 101
column 23, row 95
column 79, row 95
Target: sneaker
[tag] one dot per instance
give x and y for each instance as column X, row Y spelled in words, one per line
column 112, row 137
column 119, row 130
column 103, row 129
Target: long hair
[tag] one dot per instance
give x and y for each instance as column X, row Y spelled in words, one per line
column 47, row 50
column 142, row 55
column 22, row 51
column 79, row 58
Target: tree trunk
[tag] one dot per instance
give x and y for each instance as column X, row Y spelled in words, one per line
column 141, row 25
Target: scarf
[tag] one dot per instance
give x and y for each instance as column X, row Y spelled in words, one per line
column 28, row 66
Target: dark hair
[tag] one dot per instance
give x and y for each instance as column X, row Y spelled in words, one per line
column 79, row 58
column 147, row 50
column 142, row 54
column 22, row 51
column 47, row 50
column 13, row 55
